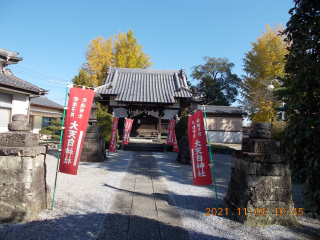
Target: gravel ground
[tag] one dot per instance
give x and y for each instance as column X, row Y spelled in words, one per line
column 193, row 201
column 82, row 201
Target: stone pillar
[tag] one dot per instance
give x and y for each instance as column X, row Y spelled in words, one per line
column 93, row 149
column 259, row 191
column 184, row 150
column 23, row 189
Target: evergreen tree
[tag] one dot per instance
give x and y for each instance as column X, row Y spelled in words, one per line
column 217, row 81
column 302, row 94
column 82, row 79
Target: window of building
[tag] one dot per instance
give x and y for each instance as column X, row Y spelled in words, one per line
column 46, row 121
column 5, row 109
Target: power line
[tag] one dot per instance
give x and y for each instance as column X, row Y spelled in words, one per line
column 39, row 73
column 28, row 74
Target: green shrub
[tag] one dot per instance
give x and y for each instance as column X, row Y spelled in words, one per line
column 181, row 127
column 278, row 131
column 53, row 130
column 105, row 121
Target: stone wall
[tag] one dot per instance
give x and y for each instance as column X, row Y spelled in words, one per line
column 23, row 189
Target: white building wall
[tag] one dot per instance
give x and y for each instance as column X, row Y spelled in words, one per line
column 225, row 137
column 37, row 123
column 225, row 129
column 20, row 105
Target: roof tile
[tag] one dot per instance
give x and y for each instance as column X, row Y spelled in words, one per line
column 144, row 85
column 223, row 109
column 12, row 81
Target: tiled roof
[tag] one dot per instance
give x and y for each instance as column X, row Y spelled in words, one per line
column 223, row 109
column 45, row 102
column 19, row 84
column 145, row 85
column 13, row 55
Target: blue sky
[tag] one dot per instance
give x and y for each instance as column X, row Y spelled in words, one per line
column 52, row 36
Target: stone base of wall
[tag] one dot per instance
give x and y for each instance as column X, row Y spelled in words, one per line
column 259, row 191
column 23, row 190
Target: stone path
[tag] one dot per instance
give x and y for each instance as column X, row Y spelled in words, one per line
column 143, row 207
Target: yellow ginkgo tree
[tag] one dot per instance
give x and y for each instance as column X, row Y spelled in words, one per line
column 263, row 63
column 121, row 51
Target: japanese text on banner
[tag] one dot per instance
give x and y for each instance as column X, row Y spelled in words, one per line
column 113, row 137
column 198, row 150
column 77, row 116
column 127, row 130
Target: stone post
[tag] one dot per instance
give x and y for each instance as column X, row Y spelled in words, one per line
column 259, row 191
column 184, row 150
column 23, row 189
column 93, row 149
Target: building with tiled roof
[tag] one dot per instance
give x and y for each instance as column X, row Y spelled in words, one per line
column 42, row 111
column 151, row 97
column 224, row 123
column 15, row 93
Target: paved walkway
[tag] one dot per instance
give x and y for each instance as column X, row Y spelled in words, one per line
column 142, row 207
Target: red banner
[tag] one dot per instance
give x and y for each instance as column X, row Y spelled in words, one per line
column 127, row 130
column 76, row 121
column 170, row 137
column 198, row 150
column 113, row 137
column 175, row 143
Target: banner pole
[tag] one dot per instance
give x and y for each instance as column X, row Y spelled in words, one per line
column 211, row 160
column 59, row 149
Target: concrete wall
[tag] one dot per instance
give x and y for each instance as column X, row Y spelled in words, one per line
column 20, row 105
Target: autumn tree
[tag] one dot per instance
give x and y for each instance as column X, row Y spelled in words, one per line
column 217, row 81
column 98, row 54
column 128, row 53
column 121, row 51
column 263, row 63
column 302, row 94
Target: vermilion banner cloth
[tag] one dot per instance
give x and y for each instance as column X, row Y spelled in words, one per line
column 113, row 137
column 198, row 150
column 127, row 130
column 175, row 143
column 76, row 121
column 170, row 138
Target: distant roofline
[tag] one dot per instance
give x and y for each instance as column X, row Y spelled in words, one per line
column 4, row 53
column 143, row 71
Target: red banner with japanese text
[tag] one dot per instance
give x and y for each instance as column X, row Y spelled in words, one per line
column 127, row 130
column 76, row 121
column 175, row 143
column 113, row 137
column 170, row 137
column 198, row 150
